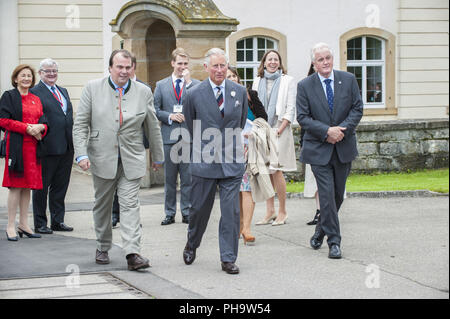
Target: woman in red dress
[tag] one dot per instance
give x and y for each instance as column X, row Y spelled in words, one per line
column 21, row 115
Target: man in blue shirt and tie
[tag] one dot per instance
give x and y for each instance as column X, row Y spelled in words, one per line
column 57, row 165
column 329, row 108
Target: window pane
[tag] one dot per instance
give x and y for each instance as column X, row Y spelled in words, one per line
column 374, row 84
column 261, row 54
column 249, row 43
column 241, row 72
column 249, row 74
column 357, row 71
column 240, row 55
column 248, row 55
column 261, row 43
column 270, row 44
column 354, row 49
column 374, row 48
column 240, row 44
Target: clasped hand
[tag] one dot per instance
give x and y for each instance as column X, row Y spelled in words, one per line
column 177, row 117
column 335, row 134
column 35, row 130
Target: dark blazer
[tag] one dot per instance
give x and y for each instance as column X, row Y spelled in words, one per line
column 164, row 100
column 256, row 105
column 59, row 138
column 315, row 117
column 200, row 104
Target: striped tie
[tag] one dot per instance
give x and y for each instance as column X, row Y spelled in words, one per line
column 219, row 99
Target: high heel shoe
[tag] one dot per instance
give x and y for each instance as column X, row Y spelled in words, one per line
column 16, row 238
column 249, row 240
column 267, row 221
column 22, row 232
column 281, row 222
column 315, row 219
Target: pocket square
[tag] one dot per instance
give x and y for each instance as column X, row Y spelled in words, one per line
column 237, row 104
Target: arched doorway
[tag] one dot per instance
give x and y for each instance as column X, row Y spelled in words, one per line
column 152, row 29
column 160, row 42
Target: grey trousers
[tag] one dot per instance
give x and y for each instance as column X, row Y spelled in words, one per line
column 331, row 179
column 202, row 199
column 128, row 193
column 171, row 171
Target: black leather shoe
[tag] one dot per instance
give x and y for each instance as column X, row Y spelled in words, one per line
column 188, row 255
column 230, row 268
column 61, row 227
column 115, row 221
column 335, row 252
column 136, row 262
column 315, row 219
column 317, row 239
column 168, row 220
column 185, row 219
column 43, row 230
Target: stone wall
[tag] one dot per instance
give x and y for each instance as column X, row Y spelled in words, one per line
column 399, row 145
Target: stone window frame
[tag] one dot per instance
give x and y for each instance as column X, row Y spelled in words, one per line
column 389, row 54
column 257, row 32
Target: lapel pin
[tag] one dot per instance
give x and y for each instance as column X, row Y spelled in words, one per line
column 233, row 93
column 340, row 82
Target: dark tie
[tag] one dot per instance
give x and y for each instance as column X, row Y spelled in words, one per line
column 330, row 95
column 177, row 87
column 219, row 99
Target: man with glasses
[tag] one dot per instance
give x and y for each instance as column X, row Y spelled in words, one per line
column 57, row 165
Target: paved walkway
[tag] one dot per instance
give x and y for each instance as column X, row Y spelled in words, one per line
column 392, row 248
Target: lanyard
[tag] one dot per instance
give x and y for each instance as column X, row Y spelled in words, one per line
column 178, row 97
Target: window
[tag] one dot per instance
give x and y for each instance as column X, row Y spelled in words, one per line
column 365, row 59
column 249, row 52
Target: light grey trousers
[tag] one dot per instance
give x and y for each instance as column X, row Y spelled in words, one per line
column 128, row 193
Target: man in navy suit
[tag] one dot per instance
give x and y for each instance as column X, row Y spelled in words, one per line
column 169, row 96
column 57, row 165
column 329, row 108
column 213, row 110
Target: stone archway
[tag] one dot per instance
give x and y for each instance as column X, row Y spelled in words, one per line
column 197, row 25
column 151, row 29
column 160, row 42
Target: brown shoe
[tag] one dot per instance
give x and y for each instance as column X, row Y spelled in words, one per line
column 101, row 257
column 136, row 262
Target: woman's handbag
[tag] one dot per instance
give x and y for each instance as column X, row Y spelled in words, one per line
column 3, row 146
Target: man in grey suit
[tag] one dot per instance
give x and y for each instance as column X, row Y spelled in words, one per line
column 108, row 139
column 329, row 108
column 216, row 112
column 169, row 94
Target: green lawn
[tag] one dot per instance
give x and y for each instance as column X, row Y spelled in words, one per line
column 433, row 180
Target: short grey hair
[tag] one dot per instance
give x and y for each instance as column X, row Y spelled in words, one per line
column 214, row 51
column 320, row 47
column 47, row 62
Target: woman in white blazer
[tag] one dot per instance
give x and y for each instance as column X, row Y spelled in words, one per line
column 277, row 91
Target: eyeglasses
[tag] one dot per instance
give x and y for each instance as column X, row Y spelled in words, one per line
column 49, row 71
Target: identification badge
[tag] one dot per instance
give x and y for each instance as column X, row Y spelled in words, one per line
column 178, row 108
